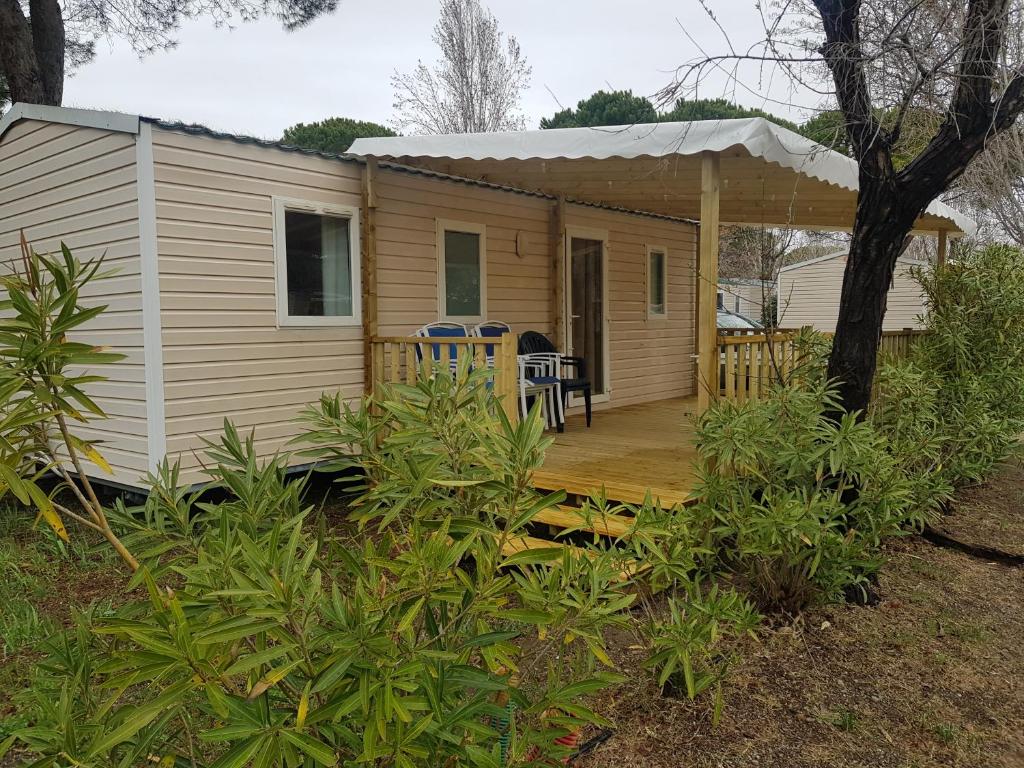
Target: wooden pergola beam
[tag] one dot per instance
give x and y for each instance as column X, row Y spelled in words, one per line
column 707, row 281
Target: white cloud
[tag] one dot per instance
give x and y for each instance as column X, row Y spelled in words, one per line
column 259, row 79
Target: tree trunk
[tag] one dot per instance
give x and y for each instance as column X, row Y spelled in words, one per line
column 880, row 232
column 48, row 43
column 32, row 55
column 17, row 55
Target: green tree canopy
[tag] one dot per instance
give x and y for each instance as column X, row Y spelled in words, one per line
column 335, row 134
column 917, row 127
column 604, row 108
column 719, row 109
column 623, row 108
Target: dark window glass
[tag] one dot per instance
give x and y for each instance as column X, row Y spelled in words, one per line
column 462, row 274
column 319, row 265
column 656, row 284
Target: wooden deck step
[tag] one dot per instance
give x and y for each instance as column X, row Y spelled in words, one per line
column 626, row 493
column 523, row 543
column 562, row 516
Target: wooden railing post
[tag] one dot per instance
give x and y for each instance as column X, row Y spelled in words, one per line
column 506, row 380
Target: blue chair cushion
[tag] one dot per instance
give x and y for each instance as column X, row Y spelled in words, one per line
column 440, row 333
column 491, row 332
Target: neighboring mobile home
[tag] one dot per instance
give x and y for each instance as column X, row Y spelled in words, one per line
column 254, row 276
column 745, row 296
column 809, row 294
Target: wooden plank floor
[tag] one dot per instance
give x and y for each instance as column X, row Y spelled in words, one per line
column 627, row 451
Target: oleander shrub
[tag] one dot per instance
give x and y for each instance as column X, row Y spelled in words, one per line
column 44, row 378
column 798, row 504
column 694, row 645
column 418, row 639
column 955, row 409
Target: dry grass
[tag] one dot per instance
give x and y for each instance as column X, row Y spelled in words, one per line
column 932, row 676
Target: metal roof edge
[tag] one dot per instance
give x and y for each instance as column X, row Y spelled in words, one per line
column 85, row 118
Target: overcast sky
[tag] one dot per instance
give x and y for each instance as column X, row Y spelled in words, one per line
column 259, row 79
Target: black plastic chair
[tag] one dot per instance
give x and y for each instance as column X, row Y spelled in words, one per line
column 531, row 342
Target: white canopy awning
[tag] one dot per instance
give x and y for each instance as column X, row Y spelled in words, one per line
column 769, row 175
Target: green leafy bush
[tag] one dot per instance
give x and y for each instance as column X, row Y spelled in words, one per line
column 956, row 408
column 798, row 503
column 42, row 389
column 267, row 642
column 694, row 646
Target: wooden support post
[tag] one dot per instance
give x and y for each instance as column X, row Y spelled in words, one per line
column 558, row 325
column 943, row 245
column 369, row 268
column 707, row 282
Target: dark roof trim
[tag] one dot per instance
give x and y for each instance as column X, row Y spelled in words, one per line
column 202, row 130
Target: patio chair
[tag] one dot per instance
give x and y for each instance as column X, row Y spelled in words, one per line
column 491, row 329
column 440, row 330
column 532, row 342
column 538, row 377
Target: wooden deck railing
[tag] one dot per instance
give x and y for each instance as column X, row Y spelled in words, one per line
column 897, row 344
column 750, row 363
column 405, row 359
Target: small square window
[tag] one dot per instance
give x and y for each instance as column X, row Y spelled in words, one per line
column 317, row 254
column 462, row 271
column 657, row 282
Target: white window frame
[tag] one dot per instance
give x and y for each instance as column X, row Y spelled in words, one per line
column 350, row 212
column 656, row 248
column 469, row 227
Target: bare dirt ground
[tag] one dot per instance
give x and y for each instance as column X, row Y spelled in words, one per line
column 931, row 676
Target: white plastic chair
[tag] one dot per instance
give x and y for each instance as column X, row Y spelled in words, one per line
column 491, row 329
column 538, row 377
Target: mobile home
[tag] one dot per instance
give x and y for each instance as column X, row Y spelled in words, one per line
column 252, row 276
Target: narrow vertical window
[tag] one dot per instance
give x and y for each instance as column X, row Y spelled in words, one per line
column 657, row 282
column 462, row 277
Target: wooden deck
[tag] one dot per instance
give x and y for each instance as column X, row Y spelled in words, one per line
column 626, row 451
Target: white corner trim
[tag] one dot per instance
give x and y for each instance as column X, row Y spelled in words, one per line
column 152, row 338
column 86, row 118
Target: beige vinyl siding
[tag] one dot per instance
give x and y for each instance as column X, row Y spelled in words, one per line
column 809, row 295
column 905, row 302
column 79, row 185
column 223, row 354
column 745, row 298
column 408, row 208
column 650, row 358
